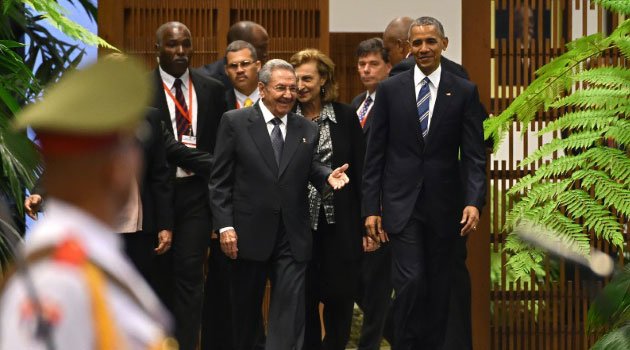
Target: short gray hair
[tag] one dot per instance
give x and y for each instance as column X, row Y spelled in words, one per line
column 427, row 21
column 239, row 45
column 264, row 76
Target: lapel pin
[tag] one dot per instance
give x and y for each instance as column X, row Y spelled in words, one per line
column 303, row 140
column 448, row 94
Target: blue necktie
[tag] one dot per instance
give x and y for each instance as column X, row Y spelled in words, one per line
column 276, row 139
column 422, row 103
column 366, row 106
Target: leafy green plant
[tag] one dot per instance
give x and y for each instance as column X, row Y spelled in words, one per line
column 20, row 83
column 588, row 189
column 612, row 309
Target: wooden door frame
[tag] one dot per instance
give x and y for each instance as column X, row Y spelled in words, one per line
column 476, row 59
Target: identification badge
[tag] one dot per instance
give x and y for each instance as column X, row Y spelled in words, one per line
column 189, row 141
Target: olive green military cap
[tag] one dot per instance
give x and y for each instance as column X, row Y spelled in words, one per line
column 107, row 97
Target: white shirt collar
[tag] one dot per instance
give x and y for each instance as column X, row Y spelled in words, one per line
column 372, row 95
column 418, row 76
column 268, row 115
column 169, row 80
column 240, row 97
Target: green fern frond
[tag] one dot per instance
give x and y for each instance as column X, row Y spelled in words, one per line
column 540, row 193
column 587, row 119
column 553, row 79
column 597, row 98
column 574, row 141
column 621, row 6
column 579, row 203
column 604, row 76
column 612, row 193
column 611, row 160
column 558, row 167
column 522, row 258
column 620, row 132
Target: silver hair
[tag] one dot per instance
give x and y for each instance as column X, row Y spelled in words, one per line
column 264, row 76
column 427, row 21
column 239, row 45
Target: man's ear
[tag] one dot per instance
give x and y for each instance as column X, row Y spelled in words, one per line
column 445, row 43
column 406, row 47
column 261, row 89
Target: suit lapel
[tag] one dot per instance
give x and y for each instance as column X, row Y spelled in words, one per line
column 291, row 140
column 408, row 90
column 442, row 101
column 258, row 131
column 201, row 90
column 160, row 101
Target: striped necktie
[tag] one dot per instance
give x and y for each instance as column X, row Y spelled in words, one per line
column 422, row 103
column 183, row 125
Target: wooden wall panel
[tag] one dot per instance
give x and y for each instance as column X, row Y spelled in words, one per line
column 130, row 25
column 546, row 311
column 343, row 53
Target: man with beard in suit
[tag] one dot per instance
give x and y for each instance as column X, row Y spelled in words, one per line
column 191, row 105
column 248, row 31
column 374, row 294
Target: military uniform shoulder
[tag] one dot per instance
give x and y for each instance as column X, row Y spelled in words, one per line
column 62, row 299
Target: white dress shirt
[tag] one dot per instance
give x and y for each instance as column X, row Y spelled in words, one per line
column 240, row 97
column 169, row 80
column 268, row 118
column 434, row 77
column 373, row 96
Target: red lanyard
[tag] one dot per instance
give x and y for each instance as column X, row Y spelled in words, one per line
column 188, row 115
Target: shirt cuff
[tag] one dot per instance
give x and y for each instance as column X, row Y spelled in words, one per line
column 226, row 229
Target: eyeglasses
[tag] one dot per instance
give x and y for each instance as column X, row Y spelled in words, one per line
column 281, row 89
column 243, row 64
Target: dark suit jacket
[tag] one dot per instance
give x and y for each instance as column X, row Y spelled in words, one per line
column 248, row 191
column 446, row 64
column 355, row 104
column 210, row 107
column 156, row 189
column 230, row 99
column 400, row 164
column 348, row 146
column 216, row 70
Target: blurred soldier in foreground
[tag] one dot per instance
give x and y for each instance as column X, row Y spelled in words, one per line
column 84, row 288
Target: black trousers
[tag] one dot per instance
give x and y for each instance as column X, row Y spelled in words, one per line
column 181, row 276
column 421, row 276
column 139, row 248
column 374, row 298
column 217, row 312
column 332, row 280
column 285, row 323
column 459, row 329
